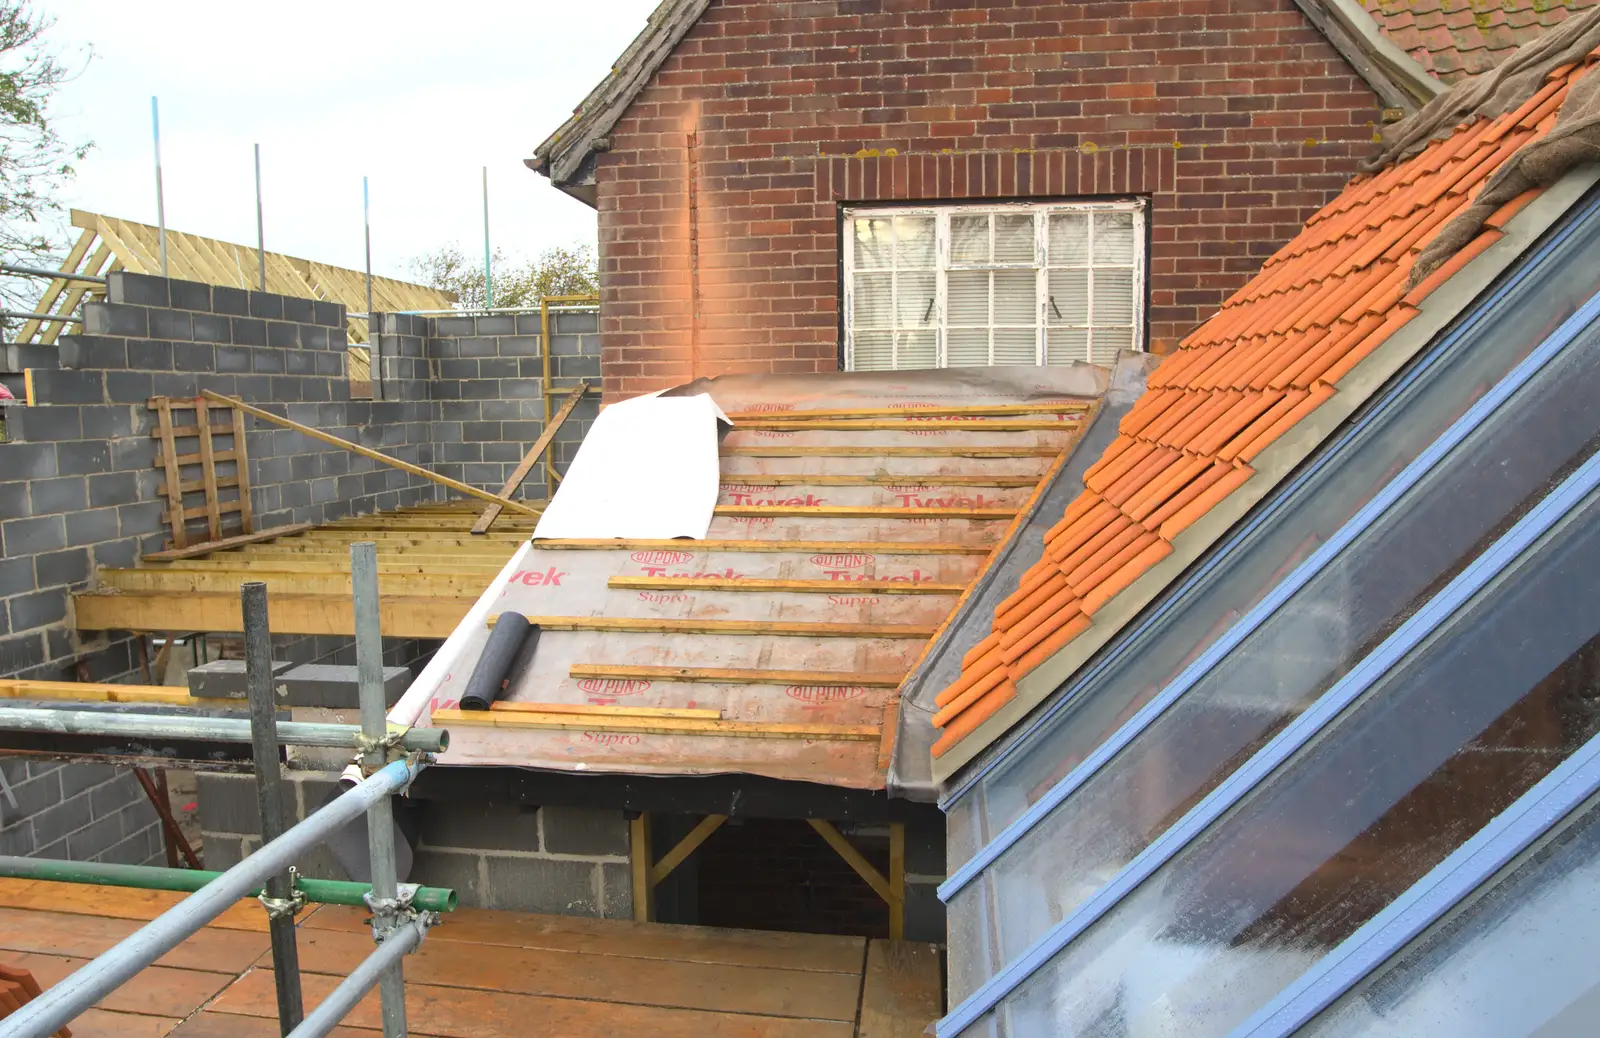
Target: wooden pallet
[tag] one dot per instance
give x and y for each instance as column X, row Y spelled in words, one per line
column 197, row 467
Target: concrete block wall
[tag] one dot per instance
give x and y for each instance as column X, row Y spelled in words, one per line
column 558, row 860
column 81, row 812
column 485, row 374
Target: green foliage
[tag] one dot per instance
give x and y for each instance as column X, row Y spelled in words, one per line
column 35, row 162
column 559, row 271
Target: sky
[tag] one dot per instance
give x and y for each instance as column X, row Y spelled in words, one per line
column 417, row 97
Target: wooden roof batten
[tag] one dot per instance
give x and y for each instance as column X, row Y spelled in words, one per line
column 109, row 244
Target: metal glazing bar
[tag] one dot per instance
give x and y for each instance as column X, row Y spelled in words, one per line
column 1539, row 520
column 269, row 798
column 82, row 989
column 1445, row 886
column 379, row 964
column 217, row 729
column 40, row 272
column 1280, row 595
column 150, row 877
column 1395, row 394
column 386, row 912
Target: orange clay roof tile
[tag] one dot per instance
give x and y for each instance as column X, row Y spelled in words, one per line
column 1273, row 354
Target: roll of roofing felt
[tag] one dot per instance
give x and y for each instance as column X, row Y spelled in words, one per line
column 509, row 649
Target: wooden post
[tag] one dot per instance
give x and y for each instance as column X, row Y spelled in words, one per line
column 639, row 859
column 897, row 881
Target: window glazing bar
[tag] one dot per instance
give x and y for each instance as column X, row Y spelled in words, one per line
column 1222, row 555
column 1450, row 882
column 1538, row 521
column 1275, row 599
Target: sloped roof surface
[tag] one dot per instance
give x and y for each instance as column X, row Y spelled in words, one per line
column 856, row 508
column 1273, row 355
column 1454, row 39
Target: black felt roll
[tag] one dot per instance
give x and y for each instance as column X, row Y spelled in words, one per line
column 509, row 649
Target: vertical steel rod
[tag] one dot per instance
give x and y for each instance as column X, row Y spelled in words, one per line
column 380, row 816
column 488, row 273
column 269, row 795
column 161, row 204
column 261, row 227
column 366, row 227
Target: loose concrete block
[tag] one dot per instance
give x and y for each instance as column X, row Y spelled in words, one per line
column 227, row 803
column 467, row 826
column 584, row 830
column 518, row 884
column 221, row 853
column 225, row 679
column 321, row 684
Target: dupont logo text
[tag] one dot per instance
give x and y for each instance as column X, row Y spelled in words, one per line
column 856, row 561
column 747, row 496
column 821, row 695
column 613, row 686
column 662, row 558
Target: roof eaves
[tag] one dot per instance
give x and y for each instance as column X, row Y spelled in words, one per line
column 1274, row 462
column 1399, row 80
column 565, row 156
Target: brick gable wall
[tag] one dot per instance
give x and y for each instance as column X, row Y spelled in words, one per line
column 719, row 197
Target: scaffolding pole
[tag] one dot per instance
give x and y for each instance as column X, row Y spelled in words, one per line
column 380, row 965
column 78, row 991
column 136, row 725
column 278, row 899
column 387, row 910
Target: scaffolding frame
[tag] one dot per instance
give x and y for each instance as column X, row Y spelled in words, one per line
column 390, row 760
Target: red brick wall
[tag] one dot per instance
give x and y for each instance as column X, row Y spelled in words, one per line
column 719, row 198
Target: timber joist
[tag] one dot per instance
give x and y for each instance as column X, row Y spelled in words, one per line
column 736, row 676
column 772, row 628
column 432, row 616
column 820, row 587
column 1073, row 407
column 320, row 581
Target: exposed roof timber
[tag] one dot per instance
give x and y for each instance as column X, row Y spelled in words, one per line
column 1399, row 80
column 567, row 156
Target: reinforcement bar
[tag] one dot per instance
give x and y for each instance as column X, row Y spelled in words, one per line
column 150, row 877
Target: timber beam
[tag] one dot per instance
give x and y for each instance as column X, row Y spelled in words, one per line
column 215, row 612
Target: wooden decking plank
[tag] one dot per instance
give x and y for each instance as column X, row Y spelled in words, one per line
column 625, row 938
column 755, row 990
column 121, row 902
column 900, row 995
column 101, row 1023
column 451, row 1013
column 228, row 542
column 153, row 991
column 85, row 936
column 226, row 1025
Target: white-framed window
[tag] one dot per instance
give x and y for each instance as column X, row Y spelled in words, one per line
column 977, row 285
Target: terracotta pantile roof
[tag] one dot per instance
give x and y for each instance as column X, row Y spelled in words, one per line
column 1454, row 39
column 1272, row 355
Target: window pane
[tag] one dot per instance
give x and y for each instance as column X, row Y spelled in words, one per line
column 873, row 305
column 1440, row 525
column 1069, row 239
column 1013, row 238
column 969, row 239
column 1113, row 238
column 1016, row 297
column 1447, row 740
column 1066, row 345
column 1069, row 297
column 874, row 243
column 1523, row 959
column 874, row 351
column 914, row 242
column 1113, row 296
column 916, row 350
column 967, row 347
column 915, row 292
column 1016, row 346
column 968, row 297
column 1108, row 342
